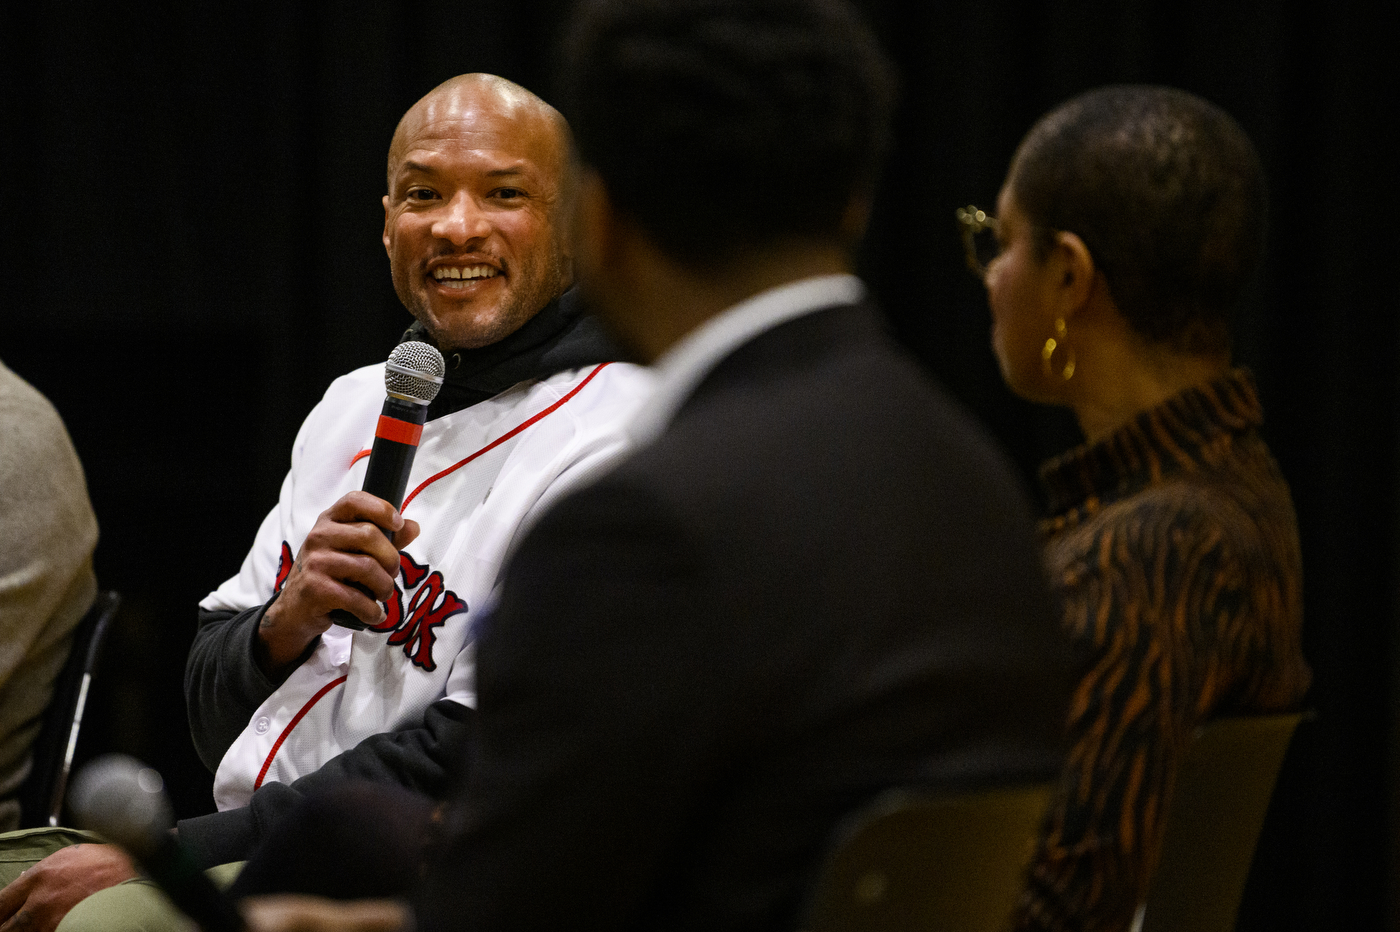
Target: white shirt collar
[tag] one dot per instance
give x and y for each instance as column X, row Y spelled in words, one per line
column 682, row 367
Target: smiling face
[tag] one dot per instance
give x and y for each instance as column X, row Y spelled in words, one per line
column 1021, row 296
column 472, row 217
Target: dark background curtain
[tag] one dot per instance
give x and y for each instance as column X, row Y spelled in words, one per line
column 189, row 234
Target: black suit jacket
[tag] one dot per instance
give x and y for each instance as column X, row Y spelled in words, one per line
column 820, row 582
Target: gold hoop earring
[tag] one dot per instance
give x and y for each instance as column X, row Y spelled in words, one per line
column 1054, row 343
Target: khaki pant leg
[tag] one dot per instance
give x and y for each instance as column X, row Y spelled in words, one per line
column 137, row 906
column 21, row 850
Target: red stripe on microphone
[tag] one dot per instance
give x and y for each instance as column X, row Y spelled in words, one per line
column 391, row 428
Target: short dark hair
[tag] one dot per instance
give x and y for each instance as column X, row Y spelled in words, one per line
column 724, row 124
column 1165, row 190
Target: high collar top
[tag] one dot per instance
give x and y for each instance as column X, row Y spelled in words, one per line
column 561, row 336
column 1188, row 432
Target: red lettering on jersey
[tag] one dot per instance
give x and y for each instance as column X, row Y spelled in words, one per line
column 412, row 572
column 284, row 567
column 393, row 612
column 432, row 605
column 429, row 608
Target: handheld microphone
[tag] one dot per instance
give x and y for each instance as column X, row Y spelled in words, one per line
column 124, row 801
column 412, row 378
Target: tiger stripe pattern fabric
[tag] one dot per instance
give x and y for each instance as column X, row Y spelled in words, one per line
column 1173, row 546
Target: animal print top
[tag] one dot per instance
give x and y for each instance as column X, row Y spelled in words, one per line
column 1174, row 548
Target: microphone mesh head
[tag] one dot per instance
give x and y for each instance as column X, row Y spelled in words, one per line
column 414, row 371
column 124, row 800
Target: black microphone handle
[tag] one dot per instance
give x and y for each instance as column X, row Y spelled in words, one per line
column 125, row 802
column 391, row 458
column 172, row 869
column 386, row 476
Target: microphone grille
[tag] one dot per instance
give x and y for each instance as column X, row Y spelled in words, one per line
column 124, row 800
column 414, row 371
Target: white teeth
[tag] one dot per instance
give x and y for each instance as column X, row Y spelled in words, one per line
column 447, row 272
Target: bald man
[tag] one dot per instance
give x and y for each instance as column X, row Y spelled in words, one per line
column 282, row 702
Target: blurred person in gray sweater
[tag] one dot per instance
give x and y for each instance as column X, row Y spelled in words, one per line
column 47, row 534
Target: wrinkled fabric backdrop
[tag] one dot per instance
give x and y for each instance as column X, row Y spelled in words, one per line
column 191, row 252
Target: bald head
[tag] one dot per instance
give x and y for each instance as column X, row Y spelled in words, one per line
column 480, row 176
column 468, row 97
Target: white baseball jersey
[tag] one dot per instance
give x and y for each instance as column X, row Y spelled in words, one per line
column 480, row 477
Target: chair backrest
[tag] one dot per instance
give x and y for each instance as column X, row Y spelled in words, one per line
column 1217, row 809
column 920, row 864
column 41, row 796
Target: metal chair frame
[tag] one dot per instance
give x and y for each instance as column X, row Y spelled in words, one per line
column 41, row 796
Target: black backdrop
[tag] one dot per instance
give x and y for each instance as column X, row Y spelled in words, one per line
column 189, row 232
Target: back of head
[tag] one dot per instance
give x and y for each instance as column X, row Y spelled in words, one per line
column 723, row 125
column 1166, row 191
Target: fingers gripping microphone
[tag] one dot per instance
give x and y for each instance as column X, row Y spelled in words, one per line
column 412, row 377
column 124, row 801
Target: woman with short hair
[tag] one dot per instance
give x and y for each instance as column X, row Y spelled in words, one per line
column 1129, row 222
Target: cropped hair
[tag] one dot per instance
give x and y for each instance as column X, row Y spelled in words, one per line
column 722, row 125
column 1167, row 193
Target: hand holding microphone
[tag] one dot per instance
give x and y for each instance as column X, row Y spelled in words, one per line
column 349, row 560
column 412, row 379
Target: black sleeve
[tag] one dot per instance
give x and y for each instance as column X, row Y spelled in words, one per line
column 223, row 683
column 421, row 759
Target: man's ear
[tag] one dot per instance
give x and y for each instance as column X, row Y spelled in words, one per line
column 386, row 222
column 1073, row 270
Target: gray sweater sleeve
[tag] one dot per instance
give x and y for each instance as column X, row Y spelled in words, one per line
column 424, row 759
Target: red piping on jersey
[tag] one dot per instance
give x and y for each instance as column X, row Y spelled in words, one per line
column 504, row 437
column 357, row 457
column 288, row 730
